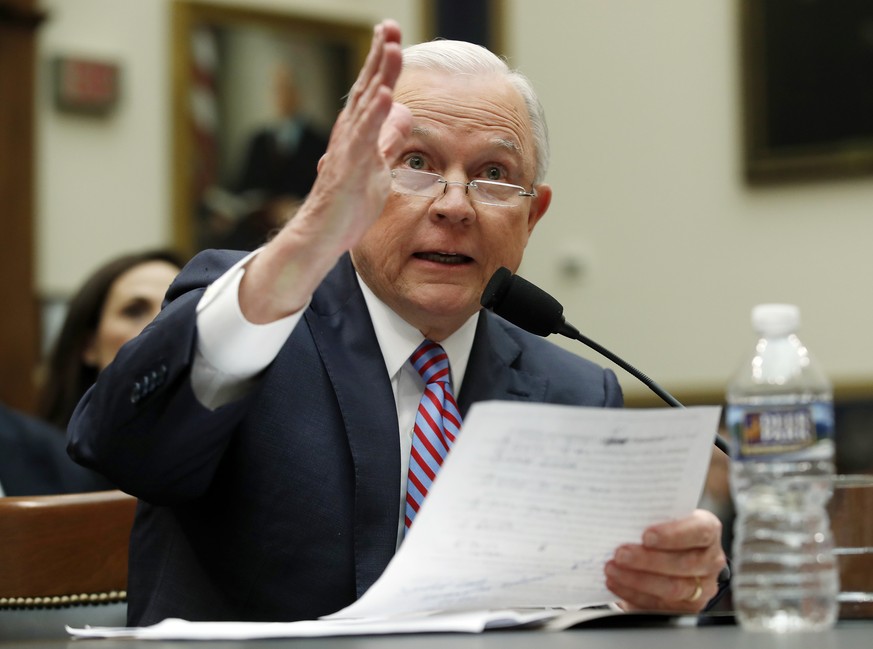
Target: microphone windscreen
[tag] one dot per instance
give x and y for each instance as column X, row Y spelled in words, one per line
column 524, row 304
column 496, row 288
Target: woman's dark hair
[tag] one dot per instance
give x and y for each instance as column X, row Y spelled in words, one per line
column 67, row 377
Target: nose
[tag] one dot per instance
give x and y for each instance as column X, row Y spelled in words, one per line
column 465, row 186
column 455, row 203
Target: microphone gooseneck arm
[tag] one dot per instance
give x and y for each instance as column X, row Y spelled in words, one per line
column 531, row 308
column 570, row 331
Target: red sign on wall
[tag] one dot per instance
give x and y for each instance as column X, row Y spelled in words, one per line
column 85, row 86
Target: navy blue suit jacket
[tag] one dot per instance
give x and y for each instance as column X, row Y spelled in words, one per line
column 284, row 504
column 33, row 460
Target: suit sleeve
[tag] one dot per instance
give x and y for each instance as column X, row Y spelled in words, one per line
column 612, row 390
column 141, row 425
column 230, row 351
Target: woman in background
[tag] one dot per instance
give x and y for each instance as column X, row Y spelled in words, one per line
column 113, row 306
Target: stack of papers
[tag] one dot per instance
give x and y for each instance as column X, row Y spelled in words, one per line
column 529, row 506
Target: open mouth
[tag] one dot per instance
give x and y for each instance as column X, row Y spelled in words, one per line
column 450, row 258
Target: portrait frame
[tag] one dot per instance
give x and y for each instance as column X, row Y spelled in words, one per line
column 807, row 111
column 218, row 53
column 479, row 21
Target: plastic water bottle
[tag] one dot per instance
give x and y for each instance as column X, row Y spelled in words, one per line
column 780, row 417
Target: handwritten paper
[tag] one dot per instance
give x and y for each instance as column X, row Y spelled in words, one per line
column 534, row 499
column 528, row 507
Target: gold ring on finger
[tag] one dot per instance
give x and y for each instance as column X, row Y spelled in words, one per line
column 698, row 591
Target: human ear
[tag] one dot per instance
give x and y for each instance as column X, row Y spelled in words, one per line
column 539, row 204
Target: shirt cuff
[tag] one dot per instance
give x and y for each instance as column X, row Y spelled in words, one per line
column 230, row 349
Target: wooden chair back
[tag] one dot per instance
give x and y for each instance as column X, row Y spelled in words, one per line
column 64, row 550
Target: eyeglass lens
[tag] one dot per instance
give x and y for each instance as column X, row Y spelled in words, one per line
column 430, row 185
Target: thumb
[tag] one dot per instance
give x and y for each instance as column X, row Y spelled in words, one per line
column 395, row 130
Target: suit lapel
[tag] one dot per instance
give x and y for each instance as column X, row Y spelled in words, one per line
column 346, row 341
column 492, row 372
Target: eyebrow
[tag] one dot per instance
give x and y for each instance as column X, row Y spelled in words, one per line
column 508, row 144
column 503, row 143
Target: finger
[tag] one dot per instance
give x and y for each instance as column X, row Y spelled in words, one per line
column 356, row 133
column 372, row 96
column 371, row 64
column 382, row 65
column 376, row 100
column 395, row 132
column 694, row 562
column 641, row 590
column 392, row 60
column 700, row 529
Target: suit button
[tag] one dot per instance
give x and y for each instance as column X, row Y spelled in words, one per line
column 136, row 393
column 156, row 379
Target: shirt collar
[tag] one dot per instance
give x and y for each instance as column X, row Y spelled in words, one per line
column 398, row 339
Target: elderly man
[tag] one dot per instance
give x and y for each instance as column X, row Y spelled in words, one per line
column 269, row 423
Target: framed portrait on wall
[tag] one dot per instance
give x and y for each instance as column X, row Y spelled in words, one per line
column 255, row 95
column 475, row 21
column 807, row 72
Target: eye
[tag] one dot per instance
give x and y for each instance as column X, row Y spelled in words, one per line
column 415, row 161
column 494, row 173
column 137, row 309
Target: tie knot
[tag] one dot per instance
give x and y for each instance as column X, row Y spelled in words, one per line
column 431, row 362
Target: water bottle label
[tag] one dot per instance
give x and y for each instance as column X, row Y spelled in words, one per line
column 779, row 431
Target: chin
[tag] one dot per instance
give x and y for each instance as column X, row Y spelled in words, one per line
column 458, row 307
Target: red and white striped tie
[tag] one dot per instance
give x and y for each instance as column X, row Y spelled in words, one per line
column 437, row 424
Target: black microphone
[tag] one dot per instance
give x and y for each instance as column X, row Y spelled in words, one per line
column 528, row 306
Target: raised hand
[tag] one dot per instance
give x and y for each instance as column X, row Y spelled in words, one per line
column 349, row 194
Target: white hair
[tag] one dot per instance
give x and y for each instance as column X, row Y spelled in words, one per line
column 460, row 57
